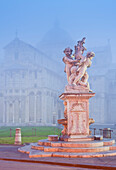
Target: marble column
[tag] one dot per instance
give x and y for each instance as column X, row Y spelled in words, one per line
column 27, row 110
column 7, row 112
column 4, row 110
column 13, row 111
column 44, row 115
column 35, row 108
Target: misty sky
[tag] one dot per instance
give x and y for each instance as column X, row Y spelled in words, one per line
column 95, row 19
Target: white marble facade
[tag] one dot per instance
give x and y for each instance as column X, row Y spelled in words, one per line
column 30, row 86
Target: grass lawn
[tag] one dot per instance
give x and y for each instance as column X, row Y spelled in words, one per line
column 11, row 140
column 28, row 134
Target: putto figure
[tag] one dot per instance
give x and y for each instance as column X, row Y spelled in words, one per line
column 69, row 62
column 76, row 67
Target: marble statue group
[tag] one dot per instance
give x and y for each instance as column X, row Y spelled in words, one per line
column 76, row 65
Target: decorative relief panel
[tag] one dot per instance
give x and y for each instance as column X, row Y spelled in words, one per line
column 78, row 106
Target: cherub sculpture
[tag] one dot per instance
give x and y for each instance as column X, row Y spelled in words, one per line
column 76, row 68
column 69, row 61
column 79, row 76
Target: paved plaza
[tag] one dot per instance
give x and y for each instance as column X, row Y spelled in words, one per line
column 10, row 158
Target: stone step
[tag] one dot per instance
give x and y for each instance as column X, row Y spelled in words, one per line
column 74, row 145
column 28, row 148
column 37, row 147
column 36, row 153
column 84, row 155
column 25, row 149
column 71, row 149
column 63, row 149
column 107, row 142
column 86, row 144
column 113, row 147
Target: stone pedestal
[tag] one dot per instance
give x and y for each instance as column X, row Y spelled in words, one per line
column 77, row 115
column 53, row 137
column 18, row 136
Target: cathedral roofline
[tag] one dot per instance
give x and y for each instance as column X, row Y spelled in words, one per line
column 19, row 43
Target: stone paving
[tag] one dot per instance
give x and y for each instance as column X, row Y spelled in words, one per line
column 10, row 153
column 11, row 165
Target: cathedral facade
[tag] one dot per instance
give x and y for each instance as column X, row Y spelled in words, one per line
column 31, row 82
column 30, row 86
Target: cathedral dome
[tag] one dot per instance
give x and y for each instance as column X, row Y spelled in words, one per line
column 54, row 42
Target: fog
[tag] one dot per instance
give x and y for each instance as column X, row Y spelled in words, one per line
column 32, row 19
column 33, row 35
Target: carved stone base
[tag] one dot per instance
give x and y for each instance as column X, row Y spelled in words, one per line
column 77, row 138
column 81, row 139
column 77, row 108
column 76, row 89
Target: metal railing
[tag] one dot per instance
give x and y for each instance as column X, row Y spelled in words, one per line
column 34, row 131
column 105, row 132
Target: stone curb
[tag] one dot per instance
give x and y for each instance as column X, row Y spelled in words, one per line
column 62, row 164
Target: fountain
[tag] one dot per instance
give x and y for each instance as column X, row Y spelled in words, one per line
column 76, row 139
